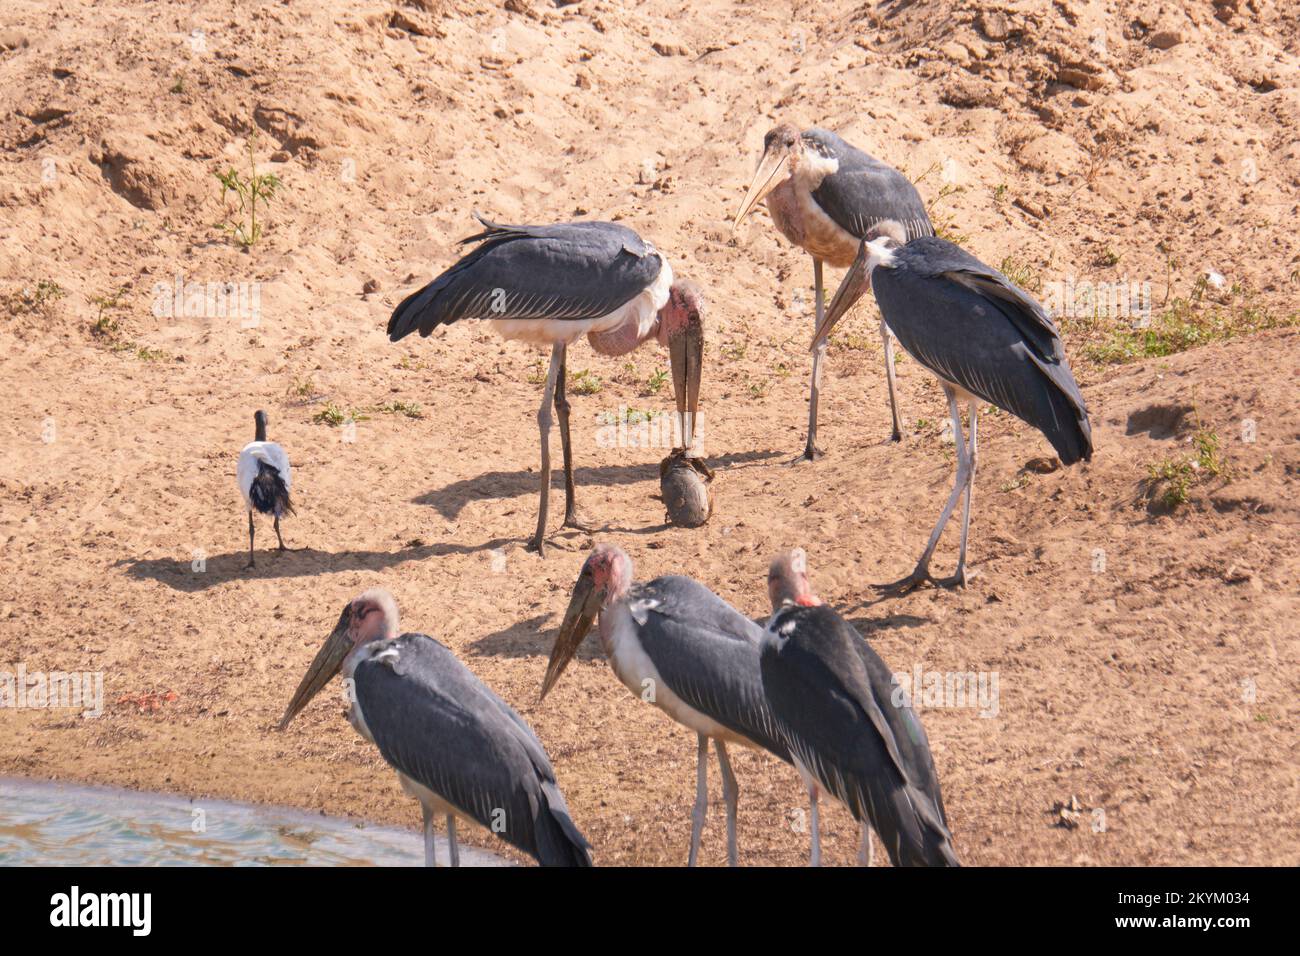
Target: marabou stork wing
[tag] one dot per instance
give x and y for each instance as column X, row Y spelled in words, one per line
column 439, row 725
column 575, row 270
column 864, row 191
column 707, row 653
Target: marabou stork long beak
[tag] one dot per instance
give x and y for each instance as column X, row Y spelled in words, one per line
column 853, row 286
column 583, row 607
column 686, row 356
column 771, row 171
column 326, row 663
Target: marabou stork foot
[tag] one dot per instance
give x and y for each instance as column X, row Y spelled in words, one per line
column 538, row 544
column 810, row 453
column 578, row 521
column 251, row 564
column 959, row 580
column 923, row 576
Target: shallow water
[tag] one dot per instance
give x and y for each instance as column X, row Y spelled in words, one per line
column 56, row 824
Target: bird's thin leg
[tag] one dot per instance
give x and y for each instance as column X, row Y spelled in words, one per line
column 571, row 519
column 815, row 823
column 811, row 452
column 963, row 575
column 866, row 848
column 430, row 855
column 731, row 796
column 277, row 534
column 544, row 427
column 250, row 563
column 922, row 571
column 889, row 377
column 452, row 846
column 701, row 799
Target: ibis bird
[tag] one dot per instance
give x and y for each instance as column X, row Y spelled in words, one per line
column 676, row 644
column 551, row 285
column 824, row 195
column 264, row 479
column 849, row 731
column 457, row 747
column 983, row 337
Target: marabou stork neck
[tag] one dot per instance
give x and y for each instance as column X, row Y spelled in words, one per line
column 457, row 747
column 676, row 644
column 824, row 195
column 984, row 338
column 551, row 285
column 835, row 705
column 264, row 479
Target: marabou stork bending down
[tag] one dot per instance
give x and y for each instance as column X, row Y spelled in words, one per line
column 676, row 644
column 833, row 700
column 983, row 337
column 551, row 285
column 264, row 480
column 457, row 747
column 825, row 195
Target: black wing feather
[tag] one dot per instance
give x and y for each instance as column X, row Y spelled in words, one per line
column 575, row 270
column 864, row 191
column 437, row 723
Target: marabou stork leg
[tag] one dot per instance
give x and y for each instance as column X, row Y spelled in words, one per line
column 251, row 562
column 430, row 854
column 544, row 427
column 922, row 572
column 731, row 796
column 701, row 799
column 889, row 377
column 571, row 518
column 815, row 822
column 963, row 575
column 452, row 846
column 866, row 848
column 811, row 452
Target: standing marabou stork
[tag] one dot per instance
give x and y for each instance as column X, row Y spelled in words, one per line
column 457, row 747
column 983, row 337
column 849, row 734
column 551, row 285
column 676, row 644
column 264, row 480
column 825, row 195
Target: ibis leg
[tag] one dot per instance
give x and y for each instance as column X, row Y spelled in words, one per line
column 701, row 799
column 922, row 572
column 430, row 853
column 815, row 822
column 544, row 428
column 889, row 377
column 731, row 796
column 277, row 534
column 866, row 848
column 452, row 846
column 811, row 452
column 250, row 542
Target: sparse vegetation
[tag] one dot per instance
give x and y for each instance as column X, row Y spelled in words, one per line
column 1022, row 273
column 584, row 382
column 31, row 301
column 409, row 409
column 248, row 190
column 334, row 416
column 1184, row 324
column 654, row 385
column 1170, row 480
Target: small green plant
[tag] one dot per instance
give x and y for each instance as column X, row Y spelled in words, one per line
column 1000, row 192
column 584, row 382
column 654, row 385
column 179, row 86
column 40, row 299
column 334, row 416
column 1022, row 274
column 409, row 409
column 1170, row 480
column 249, row 190
column 1108, row 257
column 105, row 325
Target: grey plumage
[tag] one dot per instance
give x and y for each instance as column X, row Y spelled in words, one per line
column 707, row 653
column 566, row 271
column 864, row 191
column 971, row 325
column 438, row 724
column 830, row 694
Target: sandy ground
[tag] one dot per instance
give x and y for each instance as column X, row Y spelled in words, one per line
column 1153, row 689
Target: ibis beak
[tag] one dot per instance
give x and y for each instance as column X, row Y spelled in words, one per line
column 583, row 608
column 771, row 171
column 686, row 355
column 324, row 665
column 853, row 286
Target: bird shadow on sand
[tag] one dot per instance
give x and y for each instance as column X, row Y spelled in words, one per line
column 451, row 499
column 528, row 639
column 867, row 626
column 195, row 576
